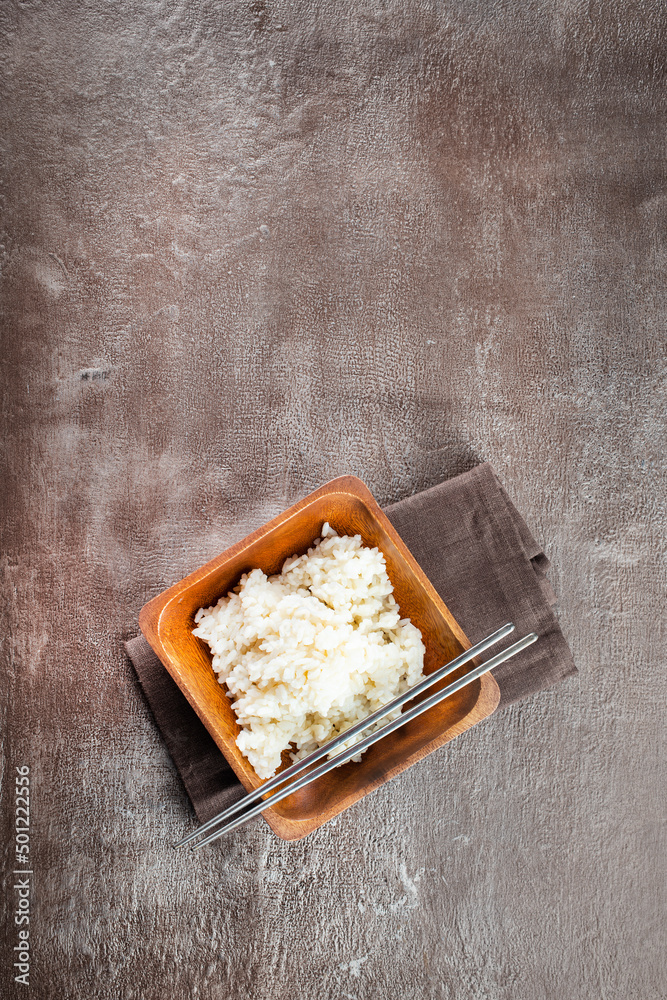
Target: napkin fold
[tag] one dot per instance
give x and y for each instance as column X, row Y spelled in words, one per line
column 478, row 553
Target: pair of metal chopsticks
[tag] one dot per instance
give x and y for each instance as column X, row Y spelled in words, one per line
column 341, row 758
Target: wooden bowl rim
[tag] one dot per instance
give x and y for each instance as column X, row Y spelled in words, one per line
column 153, row 613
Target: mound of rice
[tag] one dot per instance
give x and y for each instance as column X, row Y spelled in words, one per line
column 309, row 652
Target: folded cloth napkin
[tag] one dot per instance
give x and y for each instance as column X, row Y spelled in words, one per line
column 481, row 558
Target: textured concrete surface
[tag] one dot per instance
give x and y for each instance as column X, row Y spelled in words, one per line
column 248, row 247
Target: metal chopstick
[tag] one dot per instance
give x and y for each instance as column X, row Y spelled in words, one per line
column 347, row 755
column 326, row 749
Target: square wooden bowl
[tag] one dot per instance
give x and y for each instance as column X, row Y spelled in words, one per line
column 349, row 507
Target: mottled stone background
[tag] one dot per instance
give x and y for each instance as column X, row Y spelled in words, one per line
column 247, row 247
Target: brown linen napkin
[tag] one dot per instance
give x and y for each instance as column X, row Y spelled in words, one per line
column 481, row 558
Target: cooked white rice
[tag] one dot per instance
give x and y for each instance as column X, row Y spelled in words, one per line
column 309, row 652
